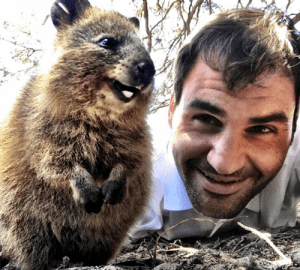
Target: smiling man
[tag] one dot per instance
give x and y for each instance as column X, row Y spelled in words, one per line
column 228, row 146
column 234, row 147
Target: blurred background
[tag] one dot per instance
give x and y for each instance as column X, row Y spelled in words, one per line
column 26, row 33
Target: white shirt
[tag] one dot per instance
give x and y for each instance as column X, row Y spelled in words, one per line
column 273, row 207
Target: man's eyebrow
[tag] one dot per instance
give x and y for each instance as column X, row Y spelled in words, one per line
column 279, row 117
column 207, row 106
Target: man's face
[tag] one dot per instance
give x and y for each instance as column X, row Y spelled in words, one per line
column 229, row 145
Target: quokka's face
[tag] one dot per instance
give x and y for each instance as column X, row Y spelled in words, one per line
column 102, row 62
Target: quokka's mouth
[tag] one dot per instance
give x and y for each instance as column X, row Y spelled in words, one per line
column 124, row 92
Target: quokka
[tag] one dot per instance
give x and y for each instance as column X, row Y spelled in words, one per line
column 75, row 150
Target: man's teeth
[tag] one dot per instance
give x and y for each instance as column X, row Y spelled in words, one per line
column 217, row 180
column 127, row 94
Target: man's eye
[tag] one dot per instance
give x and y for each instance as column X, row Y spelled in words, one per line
column 263, row 130
column 108, row 43
column 208, row 119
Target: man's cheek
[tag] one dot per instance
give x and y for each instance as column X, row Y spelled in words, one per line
column 182, row 147
column 270, row 156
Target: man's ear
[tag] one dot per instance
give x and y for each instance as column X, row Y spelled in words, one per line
column 171, row 110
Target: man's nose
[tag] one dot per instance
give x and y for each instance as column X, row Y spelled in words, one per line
column 228, row 153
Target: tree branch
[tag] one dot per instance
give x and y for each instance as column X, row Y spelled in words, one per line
column 166, row 66
column 190, row 6
column 296, row 18
column 239, row 3
column 17, row 44
column 146, row 16
column 268, row 5
column 190, row 17
column 181, row 15
column 210, row 8
column 287, row 5
column 249, row 3
column 167, row 11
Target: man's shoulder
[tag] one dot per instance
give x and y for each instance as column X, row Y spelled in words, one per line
column 292, row 159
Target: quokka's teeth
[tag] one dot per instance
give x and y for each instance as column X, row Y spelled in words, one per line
column 127, row 94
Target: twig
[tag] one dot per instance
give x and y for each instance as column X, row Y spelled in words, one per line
column 167, row 11
column 146, row 17
column 241, row 263
column 180, row 223
column 188, row 250
column 190, row 16
column 237, row 5
column 165, row 66
column 268, row 5
column 181, row 15
column 236, row 244
column 17, row 44
column 296, row 18
column 209, row 6
column 287, row 5
column 264, row 237
column 249, row 3
column 245, row 247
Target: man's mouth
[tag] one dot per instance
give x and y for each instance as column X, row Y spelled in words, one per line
column 124, row 92
column 219, row 184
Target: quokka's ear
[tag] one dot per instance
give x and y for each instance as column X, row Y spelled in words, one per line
column 135, row 21
column 65, row 12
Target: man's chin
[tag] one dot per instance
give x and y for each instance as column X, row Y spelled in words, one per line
column 218, row 214
column 219, row 207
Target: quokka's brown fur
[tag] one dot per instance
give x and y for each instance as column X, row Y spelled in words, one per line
column 75, row 170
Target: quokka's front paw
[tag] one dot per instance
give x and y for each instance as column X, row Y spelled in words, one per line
column 85, row 192
column 93, row 201
column 90, row 197
column 113, row 191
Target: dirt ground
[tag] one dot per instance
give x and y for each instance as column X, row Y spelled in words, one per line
column 238, row 249
column 233, row 250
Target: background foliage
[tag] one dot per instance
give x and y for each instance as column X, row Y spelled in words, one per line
column 26, row 33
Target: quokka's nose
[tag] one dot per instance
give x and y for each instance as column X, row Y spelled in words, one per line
column 144, row 71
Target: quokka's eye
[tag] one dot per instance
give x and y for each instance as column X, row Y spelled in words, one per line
column 108, row 43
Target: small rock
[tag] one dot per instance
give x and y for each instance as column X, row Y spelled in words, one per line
column 196, row 259
column 296, row 258
column 199, row 267
column 66, row 261
column 167, row 266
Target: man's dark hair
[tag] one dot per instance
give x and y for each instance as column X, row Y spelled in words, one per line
column 242, row 45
